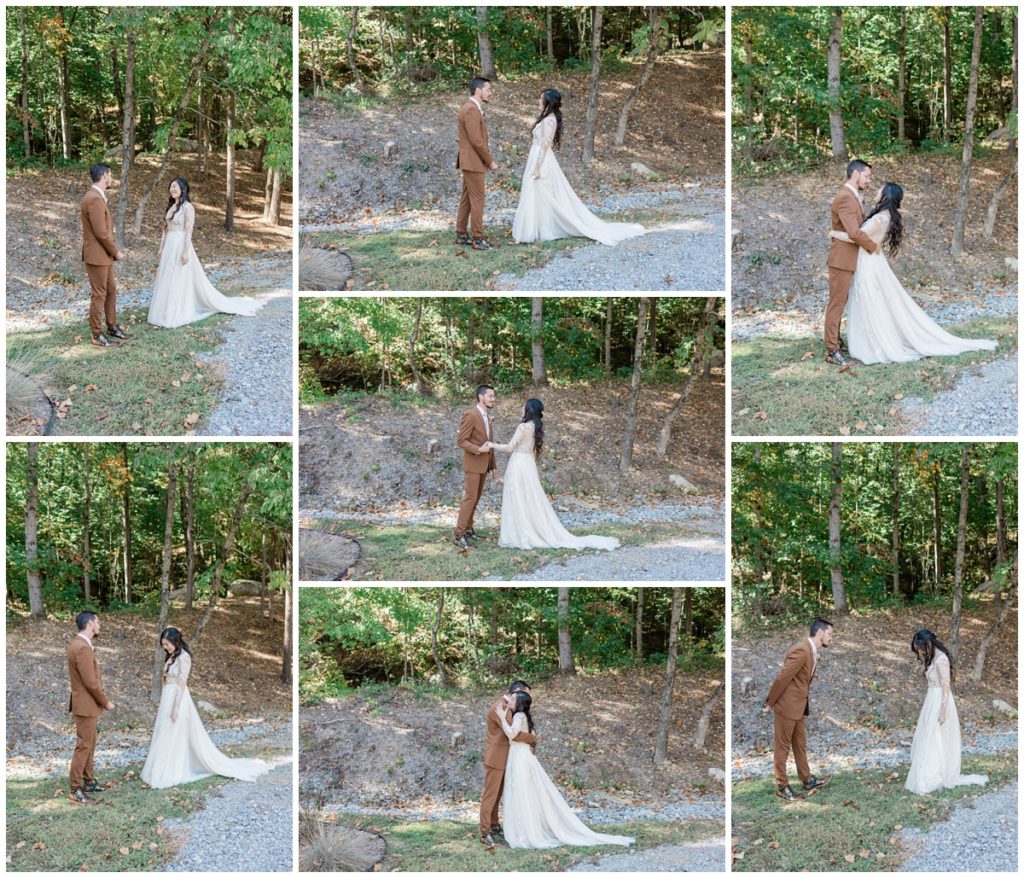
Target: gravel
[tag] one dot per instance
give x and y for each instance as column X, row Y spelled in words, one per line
column 979, row 836
column 243, row 827
column 698, row 856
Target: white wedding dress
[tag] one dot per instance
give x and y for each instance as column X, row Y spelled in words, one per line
column 528, row 520
column 935, row 753
column 549, row 208
column 883, row 323
column 535, row 814
column 181, row 751
column 182, row 293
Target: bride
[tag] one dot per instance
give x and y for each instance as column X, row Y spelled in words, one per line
column 884, row 324
column 548, row 206
column 182, row 293
column 527, row 519
column 536, row 815
column 181, row 751
column 935, row 753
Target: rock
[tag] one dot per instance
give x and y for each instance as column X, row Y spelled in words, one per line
column 1002, row 706
column 640, row 168
column 433, row 446
column 647, row 689
column 458, row 740
column 206, row 707
column 737, row 238
column 717, row 359
column 682, row 483
column 243, row 587
column 390, row 150
column 183, row 144
column 746, row 684
column 717, row 774
column 1011, row 263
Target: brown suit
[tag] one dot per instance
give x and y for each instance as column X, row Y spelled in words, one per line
column 88, row 701
column 474, row 160
column 847, row 215
column 495, row 757
column 99, row 252
column 476, row 463
column 789, row 698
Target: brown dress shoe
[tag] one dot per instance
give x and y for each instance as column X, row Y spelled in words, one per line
column 81, row 797
column 115, row 331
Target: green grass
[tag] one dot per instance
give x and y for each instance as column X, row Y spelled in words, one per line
column 778, row 390
column 128, row 390
column 443, row 845
column 46, row 833
column 859, row 815
column 427, row 552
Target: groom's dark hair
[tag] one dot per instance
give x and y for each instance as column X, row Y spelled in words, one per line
column 518, row 686
column 84, row 618
column 819, row 625
column 856, row 165
column 482, row 389
column 477, row 82
column 96, row 172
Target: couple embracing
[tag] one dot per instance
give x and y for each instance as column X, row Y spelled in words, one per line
column 536, row 814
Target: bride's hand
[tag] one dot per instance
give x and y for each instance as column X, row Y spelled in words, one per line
column 184, row 257
column 536, row 175
column 174, row 714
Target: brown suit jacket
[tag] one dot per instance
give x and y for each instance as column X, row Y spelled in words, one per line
column 474, row 154
column 847, row 215
column 789, row 694
column 473, row 434
column 87, row 695
column 496, row 750
column 98, row 244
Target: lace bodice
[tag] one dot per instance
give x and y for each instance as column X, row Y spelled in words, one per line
column 521, row 442
column 182, row 221
column 518, row 725
column 938, row 672
column 178, row 671
column 544, row 131
column 876, row 227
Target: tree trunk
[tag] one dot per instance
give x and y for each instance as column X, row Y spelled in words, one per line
column 608, row 337
column 418, row 384
column 896, row 520
column 229, row 183
column 540, row 373
column 937, row 521
column 35, row 589
column 222, row 559
column 165, row 576
column 190, row 537
column 834, row 543
column 626, row 460
column 286, row 640
column 688, row 616
column 127, row 137
column 640, row 625
column 661, row 746
column 203, row 99
column 1004, row 590
column 551, row 37
column 654, row 38
column 470, row 341
column 595, row 75
column 901, row 80
column 441, row 672
column 961, row 544
column 700, row 358
column 748, row 92
column 494, row 631
column 947, row 78
column 835, row 107
column 86, row 567
column 960, row 219
column 565, row 660
column 483, row 39
column 65, row 91
column 126, row 523
column 264, row 612
column 275, row 197
column 704, row 723
column 26, row 127
column 356, row 75
column 997, row 197
column 1014, row 99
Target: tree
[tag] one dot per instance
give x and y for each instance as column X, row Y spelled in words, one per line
column 960, row 218
column 286, row 648
column 654, row 39
column 86, row 554
column 165, row 575
column 835, row 106
column 997, row 197
column 565, row 661
column 64, row 79
column 947, row 76
column 127, row 135
column 540, row 374
column 937, row 522
column 699, row 359
column 229, row 183
column 26, row 130
column 1004, row 589
column 608, row 336
column 834, row 543
column 126, row 518
column 483, row 39
column 901, row 82
column 626, row 461
column 896, row 520
column 550, row 36
column 961, row 542
column 661, row 745
column 35, row 590
column 352, row 66
column 595, row 75
column 442, row 673
column 640, row 625
column 188, row 517
column 418, row 383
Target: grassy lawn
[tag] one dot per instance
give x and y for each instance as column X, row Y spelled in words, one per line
column 784, row 387
column 155, row 384
column 427, row 552
column 852, row 825
column 125, row 833
column 443, row 845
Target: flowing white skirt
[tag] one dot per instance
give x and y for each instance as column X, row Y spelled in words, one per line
column 183, row 293
column 935, row 753
column 885, row 325
column 181, row 751
column 535, row 814
column 528, row 521
column 549, row 209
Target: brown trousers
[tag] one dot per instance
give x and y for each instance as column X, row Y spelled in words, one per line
column 471, row 205
column 494, row 783
column 838, row 293
column 474, row 488
column 103, row 297
column 790, row 734
column 85, row 747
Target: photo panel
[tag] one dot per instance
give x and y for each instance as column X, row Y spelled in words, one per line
column 466, row 729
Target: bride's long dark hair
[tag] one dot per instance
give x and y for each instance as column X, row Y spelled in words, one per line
column 892, row 198
column 174, row 636
column 183, row 185
column 552, row 99
column 523, row 702
column 925, row 644
column 533, row 412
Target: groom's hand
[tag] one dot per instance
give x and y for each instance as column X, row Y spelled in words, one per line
column 120, row 255
column 494, row 165
column 110, row 705
column 766, row 709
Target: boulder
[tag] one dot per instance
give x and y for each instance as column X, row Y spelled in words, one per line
column 206, row 707
column 1011, row 263
column 1003, row 707
column 746, row 685
column 737, row 238
column 683, row 484
column 243, row 588
column 642, row 169
column 717, row 359
column 717, row 774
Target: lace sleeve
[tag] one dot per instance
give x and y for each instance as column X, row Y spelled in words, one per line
column 513, row 443
column 547, row 137
column 190, row 222
column 942, row 666
column 184, row 663
column 876, row 227
column 510, row 729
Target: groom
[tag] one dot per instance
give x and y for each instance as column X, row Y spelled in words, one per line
column 847, row 215
column 88, row 701
column 789, row 698
column 495, row 757
column 99, row 253
column 477, row 462
column 474, row 161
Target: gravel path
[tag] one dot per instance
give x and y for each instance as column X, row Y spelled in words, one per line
column 979, row 836
column 698, row 856
column 243, row 827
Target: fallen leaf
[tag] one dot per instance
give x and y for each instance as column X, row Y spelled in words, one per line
column 850, row 858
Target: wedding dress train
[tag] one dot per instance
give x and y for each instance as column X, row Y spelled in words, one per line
column 883, row 323
column 528, row 521
column 183, row 293
column 549, row 208
column 535, row 814
column 935, row 753
column 181, row 751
